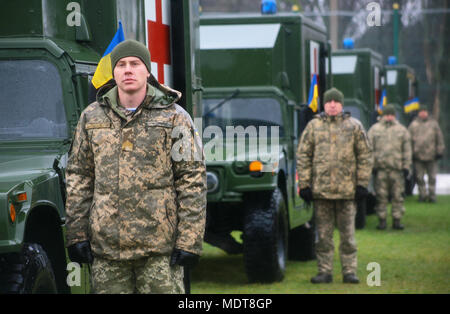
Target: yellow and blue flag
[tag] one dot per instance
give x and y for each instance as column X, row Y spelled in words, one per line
column 411, row 105
column 103, row 73
column 383, row 102
column 313, row 94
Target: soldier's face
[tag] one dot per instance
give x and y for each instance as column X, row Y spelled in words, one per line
column 389, row 117
column 131, row 74
column 423, row 114
column 333, row 108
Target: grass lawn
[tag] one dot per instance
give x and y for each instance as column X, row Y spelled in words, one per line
column 415, row 260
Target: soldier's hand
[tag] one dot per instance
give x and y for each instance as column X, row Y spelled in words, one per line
column 306, row 194
column 81, row 252
column 183, row 258
column 361, row 192
column 405, row 173
column 374, row 172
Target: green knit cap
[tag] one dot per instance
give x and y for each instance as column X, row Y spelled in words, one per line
column 130, row 48
column 333, row 94
column 388, row 109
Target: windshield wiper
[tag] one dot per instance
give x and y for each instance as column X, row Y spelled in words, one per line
column 236, row 92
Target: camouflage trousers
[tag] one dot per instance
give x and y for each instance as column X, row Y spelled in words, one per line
column 390, row 183
column 328, row 214
column 430, row 168
column 151, row 274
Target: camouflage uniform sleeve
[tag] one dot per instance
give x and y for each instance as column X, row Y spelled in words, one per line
column 364, row 158
column 190, row 184
column 440, row 146
column 371, row 138
column 305, row 153
column 407, row 150
column 80, row 186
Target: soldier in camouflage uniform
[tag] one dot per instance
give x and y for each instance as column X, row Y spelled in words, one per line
column 136, row 183
column 391, row 147
column 334, row 166
column 428, row 147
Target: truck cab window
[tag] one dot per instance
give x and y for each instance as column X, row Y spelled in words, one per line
column 31, row 105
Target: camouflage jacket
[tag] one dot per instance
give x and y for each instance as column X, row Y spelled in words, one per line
column 427, row 139
column 333, row 157
column 391, row 145
column 134, row 187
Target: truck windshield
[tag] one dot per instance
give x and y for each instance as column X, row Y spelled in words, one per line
column 244, row 112
column 31, row 102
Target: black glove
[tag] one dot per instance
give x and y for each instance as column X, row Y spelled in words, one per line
column 81, row 252
column 361, row 192
column 438, row 156
column 374, row 172
column 306, row 194
column 405, row 173
column 183, row 258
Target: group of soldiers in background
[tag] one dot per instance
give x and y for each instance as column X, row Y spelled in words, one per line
column 394, row 149
column 335, row 160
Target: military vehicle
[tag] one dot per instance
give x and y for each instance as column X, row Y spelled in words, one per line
column 49, row 50
column 359, row 73
column 257, row 71
column 401, row 85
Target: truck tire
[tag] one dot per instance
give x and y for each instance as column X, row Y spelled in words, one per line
column 266, row 238
column 302, row 242
column 28, row 272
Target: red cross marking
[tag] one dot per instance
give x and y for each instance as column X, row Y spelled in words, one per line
column 159, row 41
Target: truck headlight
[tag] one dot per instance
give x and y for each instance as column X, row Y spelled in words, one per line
column 212, row 182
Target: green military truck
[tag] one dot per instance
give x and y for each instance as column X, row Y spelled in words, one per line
column 49, row 50
column 359, row 74
column 401, row 85
column 256, row 71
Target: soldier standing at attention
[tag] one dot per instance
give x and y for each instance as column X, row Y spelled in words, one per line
column 391, row 147
column 428, row 147
column 334, row 163
column 140, row 211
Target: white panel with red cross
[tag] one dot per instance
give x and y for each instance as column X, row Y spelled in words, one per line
column 158, row 32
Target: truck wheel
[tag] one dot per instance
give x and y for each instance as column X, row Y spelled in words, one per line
column 28, row 272
column 302, row 242
column 265, row 238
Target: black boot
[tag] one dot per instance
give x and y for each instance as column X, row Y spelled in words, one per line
column 397, row 225
column 382, row 224
column 351, row 278
column 322, row 278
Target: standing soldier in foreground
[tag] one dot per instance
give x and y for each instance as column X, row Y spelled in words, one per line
column 334, row 163
column 428, row 147
column 131, row 198
column 391, row 147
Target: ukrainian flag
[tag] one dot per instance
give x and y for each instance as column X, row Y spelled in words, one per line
column 411, row 105
column 313, row 94
column 383, row 102
column 103, row 73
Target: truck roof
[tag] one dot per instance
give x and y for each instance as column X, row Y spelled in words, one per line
column 257, row 50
